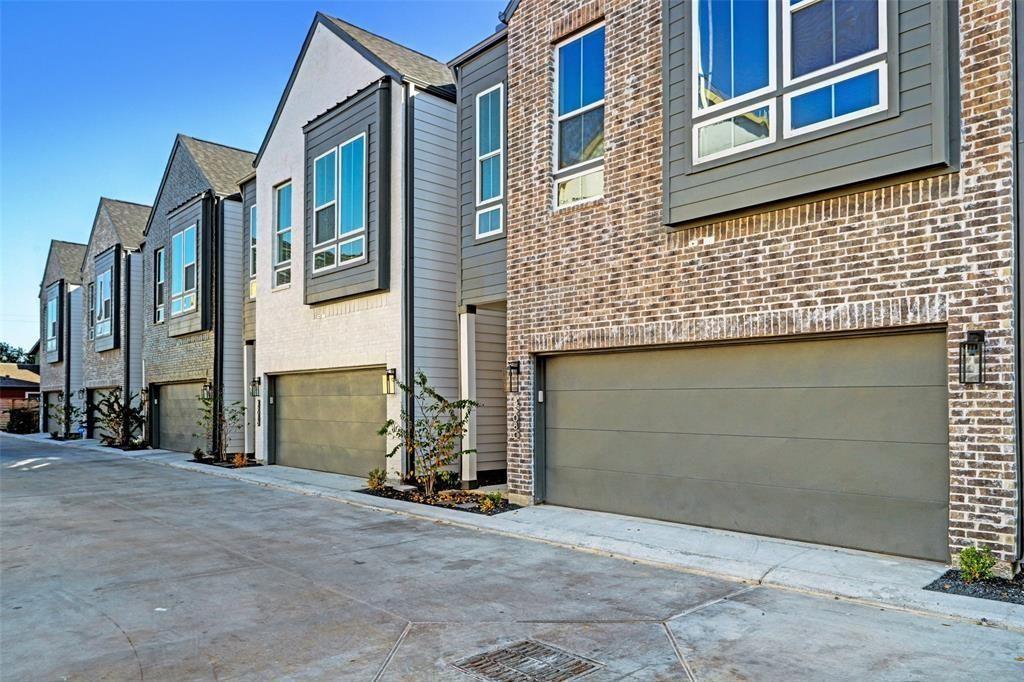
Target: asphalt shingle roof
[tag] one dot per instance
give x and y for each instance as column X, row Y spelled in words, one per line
column 69, row 256
column 14, row 375
column 222, row 165
column 407, row 62
column 129, row 219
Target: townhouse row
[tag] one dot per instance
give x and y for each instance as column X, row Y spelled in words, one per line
column 746, row 265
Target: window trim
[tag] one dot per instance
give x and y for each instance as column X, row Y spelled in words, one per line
column 108, row 275
column 333, row 202
column 253, row 239
column 700, row 125
column 53, row 328
column 562, row 173
column 499, row 152
column 883, row 100
column 279, row 265
column 91, row 321
column 579, row 202
column 500, row 208
column 159, row 281
column 767, row 90
column 184, row 267
column 341, row 238
column 787, row 44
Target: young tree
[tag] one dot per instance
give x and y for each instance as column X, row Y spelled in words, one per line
column 433, row 433
column 120, row 419
column 229, row 419
column 66, row 414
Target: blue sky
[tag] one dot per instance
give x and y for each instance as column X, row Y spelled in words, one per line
column 92, row 94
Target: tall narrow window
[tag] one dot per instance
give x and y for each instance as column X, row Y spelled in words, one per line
column 159, row 268
column 92, row 310
column 490, row 162
column 283, row 235
column 579, row 129
column 52, row 319
column 104, row 304
column 735, row 51
column 252, row 251
column 184, row 279
column 340, row 205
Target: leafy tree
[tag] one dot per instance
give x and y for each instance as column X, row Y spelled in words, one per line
column 229, row 419
column 120, row 419
column 11, row 353
column 66, row 414
column 433, row 433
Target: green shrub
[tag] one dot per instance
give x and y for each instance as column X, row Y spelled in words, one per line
column 22, row 420
column 448, row 480
column 376, row 479
column 490, row 502
column 976, row 564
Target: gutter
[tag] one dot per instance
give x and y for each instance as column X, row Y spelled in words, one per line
column 215, row 210
column 65, row 323
column 126, row 342
column 1018, row 240
column 408, row 280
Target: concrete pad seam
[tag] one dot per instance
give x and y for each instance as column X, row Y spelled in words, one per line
column 760, row 581
column 679, row 653
column 88, row 604
column 393, row 651
column 712, row 602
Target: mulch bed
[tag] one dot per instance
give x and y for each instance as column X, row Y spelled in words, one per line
column 228, row 464
column 996, row 589
column 450, row 499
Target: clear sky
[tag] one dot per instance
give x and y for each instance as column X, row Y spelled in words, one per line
column 93, row 93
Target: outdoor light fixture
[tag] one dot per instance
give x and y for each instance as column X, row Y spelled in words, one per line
column 254, row 387
column 388, row 381
column 81, row 392
column 513, row 376
column 972, row 358
column 207, row 391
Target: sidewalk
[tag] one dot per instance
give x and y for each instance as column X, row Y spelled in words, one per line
column 890, row 582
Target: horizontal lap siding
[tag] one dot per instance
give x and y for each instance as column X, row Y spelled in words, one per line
column 490, row 389
column 231, row 322
column 817, row 161
column 483, row 261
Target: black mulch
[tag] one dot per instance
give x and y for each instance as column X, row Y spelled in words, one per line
column 450, row 499
column 227, row 464
column 997, row 589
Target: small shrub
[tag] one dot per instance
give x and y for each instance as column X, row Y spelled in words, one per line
column 976, row 564
column 448, row 480
column 198, row 454
column 119, row 417
column 239, row 460
column 376, row 479
column 22, row 420
column 490, row 502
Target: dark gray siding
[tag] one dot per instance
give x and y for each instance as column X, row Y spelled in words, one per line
column 110, row 259
column 914, row 134
column 248, row 303
column 191, row 214
column 482, row 270
column 367, row 111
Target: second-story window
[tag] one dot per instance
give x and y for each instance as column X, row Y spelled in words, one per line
column 52, row 318
column 283, row 234
column 252, row 251
column 184, row 278
column 490, row 162
column 339, row 227
column 104, row 304
column 833, row 70
column 159, row 268
column 92, row 310
column 579, row 117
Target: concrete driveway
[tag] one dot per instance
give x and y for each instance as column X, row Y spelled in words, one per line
column 120, row 569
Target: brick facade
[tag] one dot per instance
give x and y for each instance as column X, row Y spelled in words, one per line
column 609, row 274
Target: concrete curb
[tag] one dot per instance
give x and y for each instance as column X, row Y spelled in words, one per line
column 887, row 582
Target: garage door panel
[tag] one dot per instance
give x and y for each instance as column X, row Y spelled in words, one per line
column 862, row 521
column 836, row 362
column 910, row 470
column 329, row 421
column 848, row 447
column 777, row 413
column 179, row 412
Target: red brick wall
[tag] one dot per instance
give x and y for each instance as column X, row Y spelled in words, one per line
column 609, row 275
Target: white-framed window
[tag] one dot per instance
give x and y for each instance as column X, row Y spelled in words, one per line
column 92, row 311
column 52, row 319
column 579, row 117
column 340, row 205
column 283, row 234
column 159, row 278
column 104, row 303
column 490, row 160
column 834, row 70
column 184, row 275
column 252, row 250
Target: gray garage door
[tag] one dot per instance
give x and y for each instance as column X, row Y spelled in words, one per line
column 97, row 396
column 842, row 442
column 50, row 398
column 179, row 411
column 329, row 421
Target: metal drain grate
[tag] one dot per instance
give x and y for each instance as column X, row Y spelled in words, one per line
column 527, row 661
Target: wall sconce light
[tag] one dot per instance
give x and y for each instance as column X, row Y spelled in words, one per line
column 972, row 358
column 81, row 392
column 512, row 384
column 388, row 381
column 254, row 387
column 143, row 394
column 207, row 391
column 60, row 396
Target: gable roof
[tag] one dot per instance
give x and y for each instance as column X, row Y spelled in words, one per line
column 69, row 257
column 128, row 218
column 394, row 60
column 220, row 164
column 19, row 375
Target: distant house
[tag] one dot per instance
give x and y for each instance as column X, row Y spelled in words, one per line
column 19, row 387
column 60, row 316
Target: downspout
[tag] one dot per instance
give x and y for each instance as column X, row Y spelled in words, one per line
column 408, row 279
column 1018, row 238
column 217, row 211
column 66, row 354
column 126, row 331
